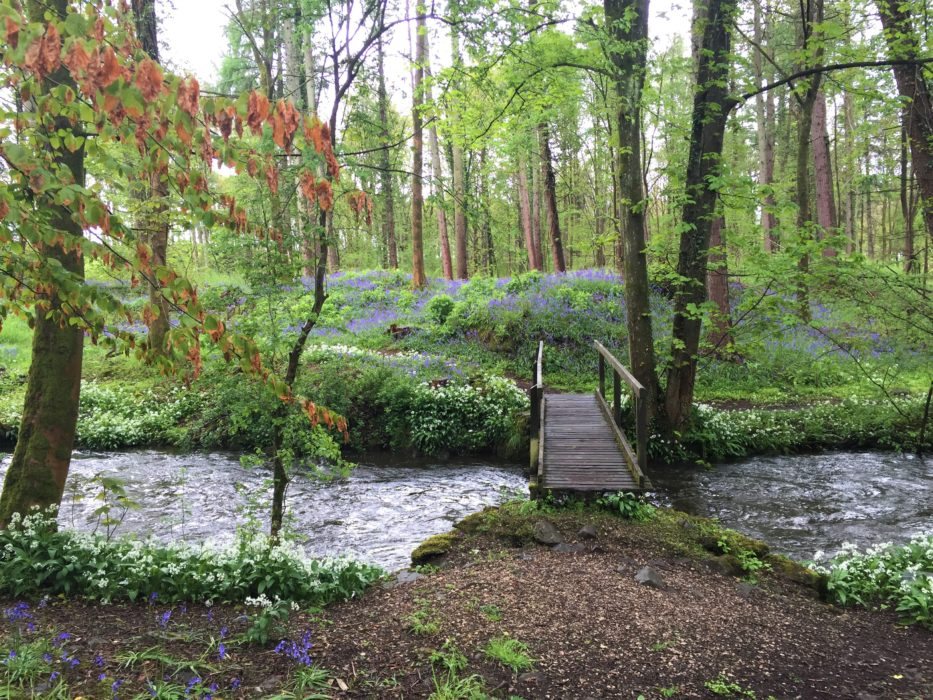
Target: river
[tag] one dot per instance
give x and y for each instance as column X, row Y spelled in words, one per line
column 388, row 505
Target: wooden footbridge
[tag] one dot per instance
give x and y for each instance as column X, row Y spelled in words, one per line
column 577, row 441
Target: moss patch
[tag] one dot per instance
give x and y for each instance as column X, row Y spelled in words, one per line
column 433, row 548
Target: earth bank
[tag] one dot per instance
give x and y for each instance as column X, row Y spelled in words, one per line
column 669, row 607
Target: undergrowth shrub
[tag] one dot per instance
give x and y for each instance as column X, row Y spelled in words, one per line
column 715, row 434
column 37, row 558
column 886, row 576
column 417, row 400
column 115, row 416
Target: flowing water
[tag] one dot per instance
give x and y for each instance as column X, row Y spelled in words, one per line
column 379, row 514
column 389, row 504
column 803, row 504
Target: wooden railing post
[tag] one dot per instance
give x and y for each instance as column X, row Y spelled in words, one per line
column 535, row 397
column 602, row 375
column 641, row 430
column 617, row 398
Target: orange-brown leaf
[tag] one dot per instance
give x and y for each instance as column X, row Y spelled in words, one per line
column 189, row 93
column 333, row 167
column 257, row 111
column 307, row 186
column 325, row 195
column 272, row 178
column 12, row 32
column 285, row 123
column 224, row 119
column 143, row 253
column 183, row 134
column 44, row 55
column 217, row 332
column 149, row 79
column 77, row 60
column 313, row 133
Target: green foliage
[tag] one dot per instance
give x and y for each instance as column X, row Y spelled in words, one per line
column 391, row 401
column 269, row 622
column 447, row 664
column 423, row 620
column 509, row 652
column 36, row 557
column 27, row 665
column 898, row 577
column 491, row 612
column 627, row 505
column 116, row 416
column 439, row 308
column 114, row 503
column 727, row 688
column 715, row 434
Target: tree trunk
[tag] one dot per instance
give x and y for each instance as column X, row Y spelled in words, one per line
column 388, row 221
column 627, row 22
column 418, row 277
column 39, row 468
column 482, row 186
column 524, row 204
column 460, row 222
column 823, row 174
column 903, row 43
column 764, row 114
column 852, row 172
column 812, row 48
column 550, row 199
column 154, row 222
column 717, row 283
column 437, row 181
column 907, row 208
column 869, row 214
column 459, row 182
column 446, row 262
column 711, row 107
column 536, row 214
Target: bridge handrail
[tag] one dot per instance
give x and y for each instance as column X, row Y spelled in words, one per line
column 620, row 372
column 536, row 396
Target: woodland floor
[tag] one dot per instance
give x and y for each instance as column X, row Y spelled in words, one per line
column 593, row 631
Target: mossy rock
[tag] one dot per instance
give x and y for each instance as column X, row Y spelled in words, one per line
column 433, row 548
column 474, row 522
column 791, row 570
column 730, row 542
column 727, row 565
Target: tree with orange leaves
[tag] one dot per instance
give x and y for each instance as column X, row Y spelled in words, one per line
column 84, row 84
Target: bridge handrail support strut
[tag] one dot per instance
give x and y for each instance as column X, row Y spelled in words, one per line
column 638, row 461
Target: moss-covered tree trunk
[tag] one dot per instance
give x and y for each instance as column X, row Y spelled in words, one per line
column 37, row 474
column 711, row 107
column 627, row 24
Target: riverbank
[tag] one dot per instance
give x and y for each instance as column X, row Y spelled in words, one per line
column 495, row 612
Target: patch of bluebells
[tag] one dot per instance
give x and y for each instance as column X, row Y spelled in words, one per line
column 299, row 651
column 18, row 613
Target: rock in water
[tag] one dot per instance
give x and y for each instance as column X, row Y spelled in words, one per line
column 647, row 576
column 545, row 532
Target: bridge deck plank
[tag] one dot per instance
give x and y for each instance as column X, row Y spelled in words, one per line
column 580, row 451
